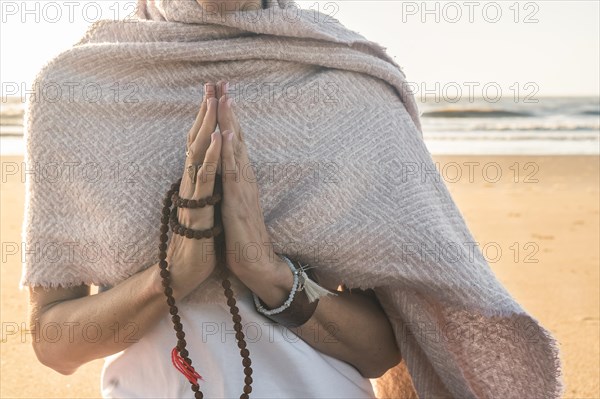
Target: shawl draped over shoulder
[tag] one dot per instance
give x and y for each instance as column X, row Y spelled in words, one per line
column 346, row 182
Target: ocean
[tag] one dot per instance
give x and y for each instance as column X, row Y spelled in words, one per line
column 541, row 126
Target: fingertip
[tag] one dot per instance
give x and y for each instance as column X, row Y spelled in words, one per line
column 216, row 136
column 219, row 90
column 225, row 88
column 209, row 90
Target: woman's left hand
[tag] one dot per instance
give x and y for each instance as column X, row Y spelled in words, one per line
column 249, row 253
column 362, row 334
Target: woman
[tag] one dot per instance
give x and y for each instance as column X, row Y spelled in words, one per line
column 326, row 363
column 369, row 214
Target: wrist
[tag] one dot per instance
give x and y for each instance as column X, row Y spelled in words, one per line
column 274, row 285
column 156, row 288
column 301, row 303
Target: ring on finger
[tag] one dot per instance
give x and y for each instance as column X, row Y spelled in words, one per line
column 188, row 150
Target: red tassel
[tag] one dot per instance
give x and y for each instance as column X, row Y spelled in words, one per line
column 184, row 367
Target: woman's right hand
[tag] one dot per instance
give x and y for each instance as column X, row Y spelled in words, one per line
column 191, row 261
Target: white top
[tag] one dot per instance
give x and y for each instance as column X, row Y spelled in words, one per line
column 284, row 366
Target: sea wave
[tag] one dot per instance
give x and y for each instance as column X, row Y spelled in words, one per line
column 512, row 136
column 476, row 113
column 11, row 130
column 493, row 126
column 592, row 112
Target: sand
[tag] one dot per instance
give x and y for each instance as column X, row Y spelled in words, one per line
column 538, row 225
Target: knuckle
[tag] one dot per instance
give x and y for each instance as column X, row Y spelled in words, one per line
column 209, row 168
column 196, row 153
column 206, row 178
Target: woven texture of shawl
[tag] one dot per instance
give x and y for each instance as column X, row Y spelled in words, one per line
column 346, row 182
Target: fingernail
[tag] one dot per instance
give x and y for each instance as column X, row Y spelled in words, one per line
column 230, row 136
column 213, row 136
column 226, row 86
column 208, row 89
column 230, row 102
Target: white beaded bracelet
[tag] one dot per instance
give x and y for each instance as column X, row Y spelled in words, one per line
column 288, row 301
column 301, row 283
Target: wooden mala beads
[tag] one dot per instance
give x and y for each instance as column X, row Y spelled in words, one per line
column 190, row 203
column 179, row 354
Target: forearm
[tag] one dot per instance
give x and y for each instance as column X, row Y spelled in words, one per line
column 353, row 328
column 70, row 333
column 349, row 326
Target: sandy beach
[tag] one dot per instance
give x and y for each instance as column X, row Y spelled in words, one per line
column 537, row 219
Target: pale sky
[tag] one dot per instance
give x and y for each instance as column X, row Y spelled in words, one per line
column 550, row 47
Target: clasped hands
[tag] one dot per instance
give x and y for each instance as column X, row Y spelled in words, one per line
column 248, row 255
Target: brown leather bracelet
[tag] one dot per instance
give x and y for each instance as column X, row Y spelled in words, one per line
column 300, row 309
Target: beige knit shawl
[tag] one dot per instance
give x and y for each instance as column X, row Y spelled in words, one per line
column 346, row 182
